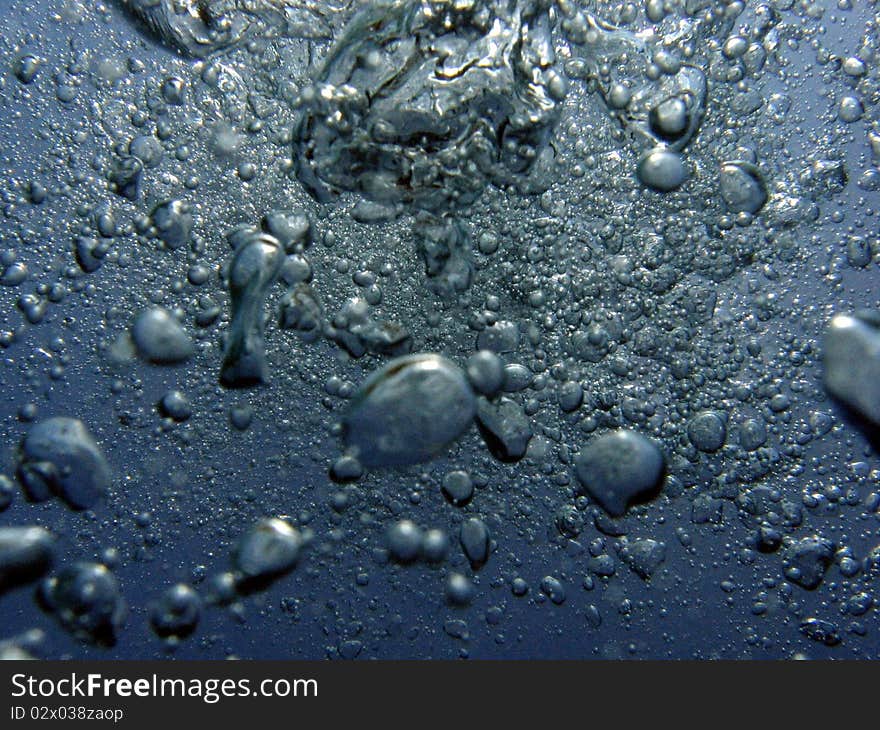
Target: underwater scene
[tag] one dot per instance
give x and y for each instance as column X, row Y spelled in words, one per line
column 440, row 329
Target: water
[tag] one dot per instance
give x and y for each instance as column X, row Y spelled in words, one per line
column 229, row 234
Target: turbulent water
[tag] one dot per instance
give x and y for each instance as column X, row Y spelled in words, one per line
column 472, row 328
column 202, row 27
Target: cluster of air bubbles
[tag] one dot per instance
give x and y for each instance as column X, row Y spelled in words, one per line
column 405, row 112
column 87, row 600
column 513, row 301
